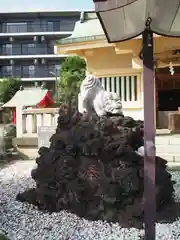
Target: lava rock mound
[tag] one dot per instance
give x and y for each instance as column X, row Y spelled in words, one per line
column 92, row 169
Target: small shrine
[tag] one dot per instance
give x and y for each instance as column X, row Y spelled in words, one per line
column 29, row 98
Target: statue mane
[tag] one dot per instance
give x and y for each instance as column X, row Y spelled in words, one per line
column 93, row 96
column 89, row 83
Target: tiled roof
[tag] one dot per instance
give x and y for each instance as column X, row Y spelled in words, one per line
column 87, row 29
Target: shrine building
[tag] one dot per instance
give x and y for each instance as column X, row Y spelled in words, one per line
column 119, row 67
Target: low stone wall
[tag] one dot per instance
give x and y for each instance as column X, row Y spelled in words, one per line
column 174, row 122
column 168, row 147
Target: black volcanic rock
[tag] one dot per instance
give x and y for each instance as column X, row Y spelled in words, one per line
column 91, row 168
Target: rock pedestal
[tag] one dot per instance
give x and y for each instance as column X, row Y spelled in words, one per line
column 92, row 169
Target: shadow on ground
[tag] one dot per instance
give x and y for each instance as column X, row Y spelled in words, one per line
column 172, row 212
column 7, row 159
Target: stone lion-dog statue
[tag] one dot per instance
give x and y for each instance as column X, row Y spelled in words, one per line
column 93, row 97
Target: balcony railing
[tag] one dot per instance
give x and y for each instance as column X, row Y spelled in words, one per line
column 59, row 26
column 26, row 49
column 28, row 73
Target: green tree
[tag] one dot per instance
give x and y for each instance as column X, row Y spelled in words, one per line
column 8, row 87
column 73, row 71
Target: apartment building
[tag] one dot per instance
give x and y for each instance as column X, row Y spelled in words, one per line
column 27, row 45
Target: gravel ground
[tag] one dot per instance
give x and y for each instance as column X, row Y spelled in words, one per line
column 20, row 221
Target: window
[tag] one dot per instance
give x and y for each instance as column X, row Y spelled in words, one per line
column 30, row 45
column 34, row 26
column 34, row 49
column 124, row 86
column 50, row 48
column 25, row 70
column 56, row 26
column 41, row 48
column 16, row 27
column 31, row 71
column 54, row 70
column 7, row 71
column 50, row 27
column 28, row 71
column 67, row 25
column 17, row 49
column 7, row 49
column 28, row 49
column 57, row 67
column 17, row 71
column 41, row 71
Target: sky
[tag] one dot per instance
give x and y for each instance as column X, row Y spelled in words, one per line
column 35, row 5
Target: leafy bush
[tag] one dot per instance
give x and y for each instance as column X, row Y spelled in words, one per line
column 8, row 87
column 73, row 71
column 3, row 237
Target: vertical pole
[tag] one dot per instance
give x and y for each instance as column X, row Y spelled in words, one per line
column 149, row 134
column 55, row 84
column 19, row 122
column 56, row 94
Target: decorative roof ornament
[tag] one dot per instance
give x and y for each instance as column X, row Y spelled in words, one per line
column 171, row 68
column 82, row 17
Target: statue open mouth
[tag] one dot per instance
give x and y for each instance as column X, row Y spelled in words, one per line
column 93, row 96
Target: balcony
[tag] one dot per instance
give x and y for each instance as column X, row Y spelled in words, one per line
column 47, row 56
column 61, row 28
column 26, row 51
column 30, row 73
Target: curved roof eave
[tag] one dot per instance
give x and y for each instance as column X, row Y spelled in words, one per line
column 71, row 40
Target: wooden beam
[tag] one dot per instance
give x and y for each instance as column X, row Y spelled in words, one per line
column 167, row 75
column 123, row 51
column 136, row 63
column 89, row 53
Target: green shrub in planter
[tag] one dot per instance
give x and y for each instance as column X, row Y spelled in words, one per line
column 9, row 134
column 3, row 237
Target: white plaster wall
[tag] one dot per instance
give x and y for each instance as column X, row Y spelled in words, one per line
column 137, row 114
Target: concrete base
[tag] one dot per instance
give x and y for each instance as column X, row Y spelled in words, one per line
column 26, row 147
column 31, row 142
column 167, row 147
column 27, row 153
column 137, row 114
column 173, row 164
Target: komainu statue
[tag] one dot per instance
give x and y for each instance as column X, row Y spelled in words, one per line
column 93, row 97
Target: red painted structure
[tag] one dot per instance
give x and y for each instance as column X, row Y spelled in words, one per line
column 45, row 102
